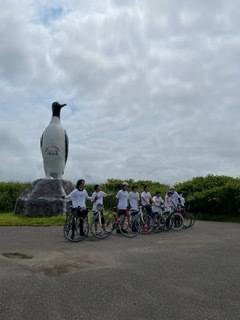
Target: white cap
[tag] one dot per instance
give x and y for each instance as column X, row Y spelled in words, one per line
column 125, row 184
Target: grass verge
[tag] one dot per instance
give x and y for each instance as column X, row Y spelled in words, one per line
column 10, row 219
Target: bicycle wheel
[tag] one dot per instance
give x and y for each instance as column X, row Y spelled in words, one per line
column 71, row 229
column 129, row 226
column 193, row 220
column 158, row 224
column 97, row 229
column 146, row 224
column 187, row 220
column 177, row 221
column 168, row 224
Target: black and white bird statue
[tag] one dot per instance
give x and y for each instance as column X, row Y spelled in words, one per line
column 54, row 145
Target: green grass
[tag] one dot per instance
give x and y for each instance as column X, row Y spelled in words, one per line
column 10, row 219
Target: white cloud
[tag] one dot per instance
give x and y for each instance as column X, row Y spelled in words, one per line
column 152, row 88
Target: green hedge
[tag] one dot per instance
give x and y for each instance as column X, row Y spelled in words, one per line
column 9, row 191
column 215, row 195
column 112, row 186
column 210, row 195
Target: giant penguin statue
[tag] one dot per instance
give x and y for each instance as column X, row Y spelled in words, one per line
column 54, row 145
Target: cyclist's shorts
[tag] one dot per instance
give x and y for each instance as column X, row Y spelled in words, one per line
column 121, row 213
column 82, row 212
column 133, row 212
column 148, row 209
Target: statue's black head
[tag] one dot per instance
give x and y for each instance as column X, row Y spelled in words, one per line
column 56, row 107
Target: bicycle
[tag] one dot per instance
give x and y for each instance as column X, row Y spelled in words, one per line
column 158, row 222
column 127, row 224
column 75, row 228
column 146, row 221
column 101, row 226
column 171, row 220
column 188, row 218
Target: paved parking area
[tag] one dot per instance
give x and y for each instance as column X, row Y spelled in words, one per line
column 189, row 274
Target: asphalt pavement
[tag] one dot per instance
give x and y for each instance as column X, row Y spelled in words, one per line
column 191, row 274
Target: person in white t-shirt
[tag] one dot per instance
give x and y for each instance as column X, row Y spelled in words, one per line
column 174, row 197
column 181, row 199
column 147, row 202
column 168, row 201
column 97, row 199
column 133, row 200
column 122, row 202
column 78, row 197
column 157, row 199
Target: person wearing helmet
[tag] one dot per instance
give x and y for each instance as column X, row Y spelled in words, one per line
column 174, row 197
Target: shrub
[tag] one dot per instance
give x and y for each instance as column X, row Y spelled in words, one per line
column 212, row 194
column 208, row 195
column 9, row 191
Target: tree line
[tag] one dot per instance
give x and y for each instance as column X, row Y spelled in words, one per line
column 206, row 195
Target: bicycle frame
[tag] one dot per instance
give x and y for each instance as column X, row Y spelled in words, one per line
column 127, row 224
column 96, row 216
column 74, row 228
column 141, row 213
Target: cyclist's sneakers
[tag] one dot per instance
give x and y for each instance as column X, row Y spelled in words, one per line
column 98, row 232
column 145, row 230
column 124, row 231
column 106, row 231
column 118, row 231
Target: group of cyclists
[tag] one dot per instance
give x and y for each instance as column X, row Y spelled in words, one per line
column 125, row 201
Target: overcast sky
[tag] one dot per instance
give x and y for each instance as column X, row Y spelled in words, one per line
column 152, row 87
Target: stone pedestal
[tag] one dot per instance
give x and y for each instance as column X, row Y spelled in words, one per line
column 44, row 198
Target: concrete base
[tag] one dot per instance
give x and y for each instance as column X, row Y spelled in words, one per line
column 44, row 198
